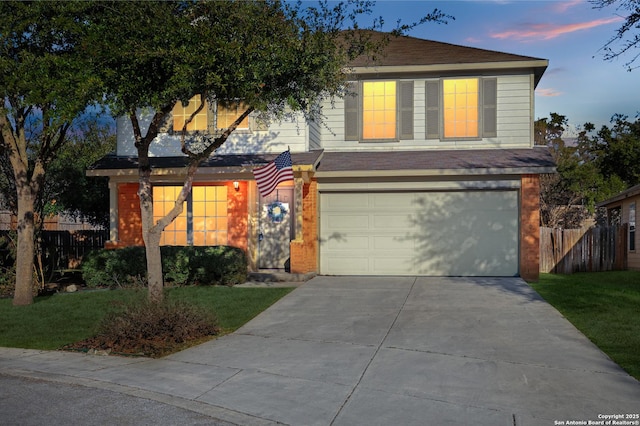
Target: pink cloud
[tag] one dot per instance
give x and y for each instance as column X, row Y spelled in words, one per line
column 566, row 5
column 548, row 92
column 551, row 31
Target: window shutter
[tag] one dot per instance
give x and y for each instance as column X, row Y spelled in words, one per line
column 351, row 99
column 433, row 110
column 211, row 117
column 406, row 109
column 489, row 108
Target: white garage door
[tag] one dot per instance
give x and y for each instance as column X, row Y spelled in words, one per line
column 465, row 233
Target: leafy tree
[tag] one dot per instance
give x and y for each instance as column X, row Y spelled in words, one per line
column 274, row 56
column 625, row 40
column 560, row 199
column 615, row 150
column 67, row 188
column 45, row 84
column 598, row 165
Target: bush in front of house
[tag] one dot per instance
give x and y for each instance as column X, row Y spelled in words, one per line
column 151, row 329
column 114, row 268
column 214, row 265
column 126, row 267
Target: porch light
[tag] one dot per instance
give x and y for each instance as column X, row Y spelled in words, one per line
column 236, row 185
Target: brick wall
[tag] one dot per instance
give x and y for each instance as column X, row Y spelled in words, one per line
column 129, row 217
column 304, row 252
column 238, row 215
column 530, row 227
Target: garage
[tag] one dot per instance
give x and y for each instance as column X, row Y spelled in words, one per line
column 436, row 233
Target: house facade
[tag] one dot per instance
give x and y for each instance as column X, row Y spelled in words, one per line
column 622, row 209
column 427, row 167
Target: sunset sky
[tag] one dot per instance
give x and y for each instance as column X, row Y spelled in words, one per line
column 578, row 83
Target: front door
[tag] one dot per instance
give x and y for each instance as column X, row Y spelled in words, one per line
column 276, row 220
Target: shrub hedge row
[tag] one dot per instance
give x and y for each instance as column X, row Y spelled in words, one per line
column 215, row 265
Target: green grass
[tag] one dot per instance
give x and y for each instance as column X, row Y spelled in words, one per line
column 53, row 321
column 604, row 306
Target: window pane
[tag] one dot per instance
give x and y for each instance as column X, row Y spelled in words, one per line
column 199, row 238
column 206, row 218
column 460, row 98
column 181, row 113
column 379, row 110
column 226, row 115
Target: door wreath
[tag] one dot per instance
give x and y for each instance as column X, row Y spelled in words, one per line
column 276, row 211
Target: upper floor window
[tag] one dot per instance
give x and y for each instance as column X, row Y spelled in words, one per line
column 227, row 114
column 181, row 113
column 379, row 110
column 204, row 120
column 461, row 108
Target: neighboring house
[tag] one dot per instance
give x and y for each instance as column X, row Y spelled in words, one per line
column 622, row 209
column 430, row 169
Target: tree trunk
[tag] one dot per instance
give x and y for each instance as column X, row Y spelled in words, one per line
column 151, row 235
column 26, row 249
column 154, row 266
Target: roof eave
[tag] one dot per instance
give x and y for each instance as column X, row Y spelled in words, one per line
column 631, row 192
column 538, row 65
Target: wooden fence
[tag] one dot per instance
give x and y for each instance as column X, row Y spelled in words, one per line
column 64, row 249
column 565, row 251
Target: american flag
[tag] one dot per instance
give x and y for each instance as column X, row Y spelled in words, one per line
column 269, row 176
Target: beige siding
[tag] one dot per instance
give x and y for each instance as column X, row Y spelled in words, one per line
column 292, row 133
column 513, row 122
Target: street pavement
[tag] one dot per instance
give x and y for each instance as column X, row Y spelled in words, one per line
column 347, row 351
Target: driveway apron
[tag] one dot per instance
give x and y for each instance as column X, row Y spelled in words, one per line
column 385, row 351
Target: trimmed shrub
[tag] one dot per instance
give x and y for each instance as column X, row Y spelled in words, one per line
column 217, row 265
column 114, row 268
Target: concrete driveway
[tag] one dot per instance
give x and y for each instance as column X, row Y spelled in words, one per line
column 377, row 351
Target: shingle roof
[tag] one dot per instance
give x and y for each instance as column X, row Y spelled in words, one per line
column 406, row 50
column 114, row 162
column 489, row 161
column 473, row 159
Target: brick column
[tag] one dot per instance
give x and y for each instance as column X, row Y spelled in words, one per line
column 530, row 227
column 304, row 251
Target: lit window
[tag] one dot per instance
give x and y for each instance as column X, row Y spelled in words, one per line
column 181, row 113
column 203, row 221
column 226, row 115
column 460, row 101
column 379, row 110
column 632, row 226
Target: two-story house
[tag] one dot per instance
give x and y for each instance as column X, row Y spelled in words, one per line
column 427, row 168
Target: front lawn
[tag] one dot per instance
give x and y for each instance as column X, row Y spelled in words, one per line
column 604, row 306
column 54, row 321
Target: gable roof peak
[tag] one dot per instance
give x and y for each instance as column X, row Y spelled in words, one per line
column 409, row 51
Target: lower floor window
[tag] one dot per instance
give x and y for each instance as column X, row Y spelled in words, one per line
column 632, row 226
column 203, row 221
